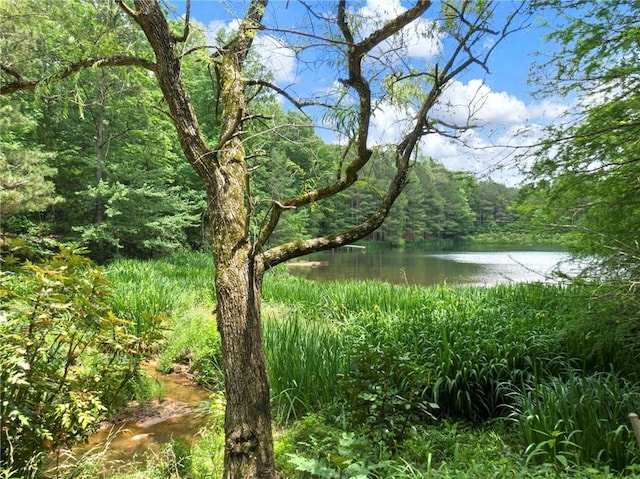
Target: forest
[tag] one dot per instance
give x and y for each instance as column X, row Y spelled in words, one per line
column 154, row 179
column 105, row 173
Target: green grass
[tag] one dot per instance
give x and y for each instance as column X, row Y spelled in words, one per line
column 397, row 369
column 305, row 358
column 579, row 420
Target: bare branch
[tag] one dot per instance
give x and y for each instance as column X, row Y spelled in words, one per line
column 300, row 105
column 392, row 27
column 185, row 32
column 462, row 56
column 356, row 80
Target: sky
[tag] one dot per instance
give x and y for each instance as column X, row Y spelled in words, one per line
column 502, row 100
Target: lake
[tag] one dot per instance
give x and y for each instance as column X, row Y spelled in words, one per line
column 481, row 267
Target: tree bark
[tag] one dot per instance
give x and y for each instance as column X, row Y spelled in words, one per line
column 248, row 437
column 223, row 169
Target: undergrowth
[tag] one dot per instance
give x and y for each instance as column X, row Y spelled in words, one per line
column 375, row 380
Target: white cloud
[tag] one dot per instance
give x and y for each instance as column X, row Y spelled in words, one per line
column 389, row 123
column 421, row 39
column 502, row 158
column 550, row 109
column 507, row 128
column 278, row 58
column 474, row 103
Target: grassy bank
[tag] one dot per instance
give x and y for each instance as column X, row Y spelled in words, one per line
column 529, row 238
column 375, row 380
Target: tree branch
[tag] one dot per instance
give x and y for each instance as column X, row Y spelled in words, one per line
column 185, row 31
column 473, row 32
column 356, row 80
column 300, row 105
column 115, row 61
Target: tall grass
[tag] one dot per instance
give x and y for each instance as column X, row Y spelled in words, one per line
column 472, row 343
column 153, row 294
column 381, row 347
column 305, row 359
column 580, row 420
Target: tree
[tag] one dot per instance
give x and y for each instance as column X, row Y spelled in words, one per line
column 366, row 55
column 492, row 202
column 590, row 164
column 25, row 172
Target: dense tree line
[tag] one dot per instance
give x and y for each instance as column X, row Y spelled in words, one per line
column 93, row 159
column 106, row 172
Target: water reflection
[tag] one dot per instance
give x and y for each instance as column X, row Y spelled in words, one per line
column 511, row 267
column 149, row 428
column 457, row 267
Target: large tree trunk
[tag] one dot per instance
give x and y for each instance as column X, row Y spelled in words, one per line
column 248, row 436
column 223, row 169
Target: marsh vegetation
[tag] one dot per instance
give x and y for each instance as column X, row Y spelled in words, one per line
column 370, row 379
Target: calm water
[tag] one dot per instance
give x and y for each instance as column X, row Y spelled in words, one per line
column 429, row 268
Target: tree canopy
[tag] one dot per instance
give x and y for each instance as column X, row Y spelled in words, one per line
column 590, row 163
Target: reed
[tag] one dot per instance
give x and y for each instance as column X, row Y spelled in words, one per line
column 370, row 344
column 153, row 295
column 476, row 344
column 305, row 358
column 579, row 420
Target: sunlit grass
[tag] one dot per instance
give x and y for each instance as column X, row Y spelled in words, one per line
column 579, row 420
column 472, row 351
column 305, row 358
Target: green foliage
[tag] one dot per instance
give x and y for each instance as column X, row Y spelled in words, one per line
column 579, row 420
column 357, row 370
column 387, row 392
column 305, row 358
column 315, row 448
column 25, row 173
column 588, row 167
column 121, row 187
column 348, row 458
column 66, row 359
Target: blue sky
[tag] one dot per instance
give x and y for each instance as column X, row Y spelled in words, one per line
column 503, row 98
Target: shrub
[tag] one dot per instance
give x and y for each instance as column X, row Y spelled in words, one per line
column 65, row 359
column 387, row 393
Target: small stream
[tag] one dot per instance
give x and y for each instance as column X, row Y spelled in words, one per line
column 150, row 427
